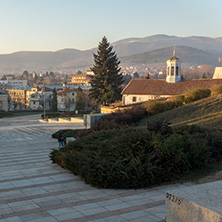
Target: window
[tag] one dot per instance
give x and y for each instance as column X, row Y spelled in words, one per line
column 73, row 94
column 177, row 70
column 34, row 102
column 134, row 99
column 172, row 70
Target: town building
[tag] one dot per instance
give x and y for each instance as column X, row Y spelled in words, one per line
column 17, row 98
column 66, row 99
column 80, row 79
column 14, row 83
column 140, row 90
column 4, row 101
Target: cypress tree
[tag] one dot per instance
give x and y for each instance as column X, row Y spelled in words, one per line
column 80, row 100
column 106, row 83
column 54, row 100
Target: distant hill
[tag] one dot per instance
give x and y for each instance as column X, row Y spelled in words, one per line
column 185, row 54
column 132, row 46
column 132, row 51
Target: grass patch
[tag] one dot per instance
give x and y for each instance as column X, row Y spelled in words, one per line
column 19, row 113
column 206, row 112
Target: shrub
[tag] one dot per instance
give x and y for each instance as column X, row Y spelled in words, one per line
column 78, row 133
column 158, row 106
column 159, row 126
column 216, row 90
column 136, row 158
column 137, row 113
column 120, row 119
column 197, row 94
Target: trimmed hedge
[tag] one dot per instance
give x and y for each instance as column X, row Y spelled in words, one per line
column 136, row 158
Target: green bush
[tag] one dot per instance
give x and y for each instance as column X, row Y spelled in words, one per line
column 197, row 94
column 136, row 158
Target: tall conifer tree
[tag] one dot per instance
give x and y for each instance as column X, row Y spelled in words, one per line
column 54, row 101
column 106, row 83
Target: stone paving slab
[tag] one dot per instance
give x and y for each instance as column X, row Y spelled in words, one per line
column 34, row 189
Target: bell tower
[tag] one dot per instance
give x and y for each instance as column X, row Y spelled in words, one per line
column 173, row 73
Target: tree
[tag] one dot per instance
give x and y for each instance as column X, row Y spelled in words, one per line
column 127, row 78
column 54, row 100
column 136, row 75
column 106, row 83
column 4, row 77
column 25, row 74
column 204, row 76
column 80, row 100
column 147, row 76
column 79, row 72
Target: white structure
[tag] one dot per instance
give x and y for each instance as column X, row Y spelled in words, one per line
column 217, row 73
column 14, row 83
column 173, row 69
column 17, row 83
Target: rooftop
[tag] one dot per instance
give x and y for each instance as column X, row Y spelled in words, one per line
column 161, row 87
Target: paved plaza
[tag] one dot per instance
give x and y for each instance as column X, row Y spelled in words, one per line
column 34, row 189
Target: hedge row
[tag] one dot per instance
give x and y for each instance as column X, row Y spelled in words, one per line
column 136, row 158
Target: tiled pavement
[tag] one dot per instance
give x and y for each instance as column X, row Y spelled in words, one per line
column 34, row 189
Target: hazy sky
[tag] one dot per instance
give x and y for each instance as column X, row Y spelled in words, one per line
column 81, row 24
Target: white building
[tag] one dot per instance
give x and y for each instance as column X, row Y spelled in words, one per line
column 173, row 69
column 140, row 90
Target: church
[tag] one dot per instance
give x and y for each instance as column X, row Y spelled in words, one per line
column 140, row 90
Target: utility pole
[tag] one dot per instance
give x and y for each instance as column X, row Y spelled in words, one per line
column 44, row 97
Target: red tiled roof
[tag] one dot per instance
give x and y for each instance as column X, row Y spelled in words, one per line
column 161, row 87
column 65, row 91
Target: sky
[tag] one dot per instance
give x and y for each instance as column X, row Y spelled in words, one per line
column 50, row 25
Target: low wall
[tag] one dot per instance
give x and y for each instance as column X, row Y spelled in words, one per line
column 199, row 203
column 91, row 119
column 62, row 120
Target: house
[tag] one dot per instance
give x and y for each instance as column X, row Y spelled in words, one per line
column 140, row 90
column 36, row 100
column 66, row 99
column 3, row 101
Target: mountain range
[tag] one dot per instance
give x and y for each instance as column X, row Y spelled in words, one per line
column 156, row 49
